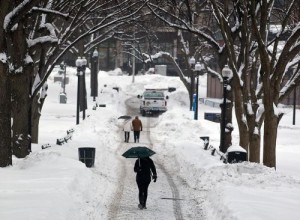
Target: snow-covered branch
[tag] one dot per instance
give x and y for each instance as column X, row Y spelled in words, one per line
column 49, row 11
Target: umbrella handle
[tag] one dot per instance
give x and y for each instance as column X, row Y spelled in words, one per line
column 139, row 163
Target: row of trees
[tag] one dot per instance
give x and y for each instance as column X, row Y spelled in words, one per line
column 265, row 62
column 35, row 35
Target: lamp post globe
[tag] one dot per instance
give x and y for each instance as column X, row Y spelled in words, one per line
column 83, row 64
column 84, row 61
column 198, row 67
column 78, row 62
column 95, row 53
column 227, row 74
column 192, row 61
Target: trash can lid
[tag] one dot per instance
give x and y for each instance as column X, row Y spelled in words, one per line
column 236, row 149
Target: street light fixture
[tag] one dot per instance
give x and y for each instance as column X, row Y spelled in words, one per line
column 294, row 99
column 198, row 68
column 227, row 74
column 192, row 61
column 79, row 74
column 95, row 53
column 94, row 75
column 84, row 101
column 63, row 95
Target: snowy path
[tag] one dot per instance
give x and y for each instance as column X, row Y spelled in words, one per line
column 125, row 200
column 164, row 201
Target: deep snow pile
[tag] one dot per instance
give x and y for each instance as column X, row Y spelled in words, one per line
column 53, row 184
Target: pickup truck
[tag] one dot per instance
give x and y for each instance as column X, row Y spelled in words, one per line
column 153, row 101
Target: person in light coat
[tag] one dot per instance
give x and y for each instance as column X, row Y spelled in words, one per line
column 127, row 128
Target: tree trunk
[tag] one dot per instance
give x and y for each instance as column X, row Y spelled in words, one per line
column 240, row 113
column 254, row 148
column 21, row 117
column 37, row 105
column 254, row 136
column 35, row 118
column 270, row 136
column 5, row 119
column 21, row 91
column 5, row 97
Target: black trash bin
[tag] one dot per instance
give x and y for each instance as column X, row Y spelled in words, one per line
column 236, row 154
column 87, row 155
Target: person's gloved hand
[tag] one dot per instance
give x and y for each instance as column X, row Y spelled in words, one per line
column 154, row 178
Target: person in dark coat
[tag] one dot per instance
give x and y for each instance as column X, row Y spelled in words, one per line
column 144, row 168
column 137, row 128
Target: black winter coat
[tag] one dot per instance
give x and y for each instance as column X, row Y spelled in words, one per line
column 143, row 170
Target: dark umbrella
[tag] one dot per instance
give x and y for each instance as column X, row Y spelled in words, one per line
column 126, row 117
column 138, row 152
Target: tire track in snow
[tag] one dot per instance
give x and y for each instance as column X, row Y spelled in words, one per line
column 114, row 206
column 175, row 192
column 125, row 198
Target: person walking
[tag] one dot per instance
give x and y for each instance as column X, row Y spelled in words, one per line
column 127, row 128
column 137, row 128
column 144, row 168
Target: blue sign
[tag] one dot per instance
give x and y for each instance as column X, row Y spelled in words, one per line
column 194, row 102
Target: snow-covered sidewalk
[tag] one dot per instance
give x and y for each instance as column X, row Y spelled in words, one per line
column 53, row 184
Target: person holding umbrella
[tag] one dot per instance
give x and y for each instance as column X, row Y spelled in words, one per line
column 144, row 168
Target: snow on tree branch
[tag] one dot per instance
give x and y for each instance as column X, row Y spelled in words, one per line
column 3, row 57
column 8, row 18
column 49, row 11
column 41, row 40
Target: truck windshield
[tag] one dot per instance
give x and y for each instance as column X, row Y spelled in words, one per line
column 153, row 95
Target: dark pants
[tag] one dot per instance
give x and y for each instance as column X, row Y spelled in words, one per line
column 136, row 135
column 143, row 192
column 127, row 133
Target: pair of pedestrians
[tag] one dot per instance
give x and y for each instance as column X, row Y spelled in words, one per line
column 136, row 126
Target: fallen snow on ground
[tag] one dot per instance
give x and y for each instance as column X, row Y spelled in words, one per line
column 53, row 184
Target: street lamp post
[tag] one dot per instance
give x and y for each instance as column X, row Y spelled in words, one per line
column 198, row 68
column 63, row 68
column 84, row 102
column 63, row 95
column 227, row 74
column 94, row 75
column 192, row 61
column 294, row 100
column 79, row 74
column 294, row 106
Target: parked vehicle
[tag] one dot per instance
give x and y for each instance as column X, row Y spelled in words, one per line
column 153, row 101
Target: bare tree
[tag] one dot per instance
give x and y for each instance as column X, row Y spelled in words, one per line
column 258, row 69
column 35, row 37
column 275, row 64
